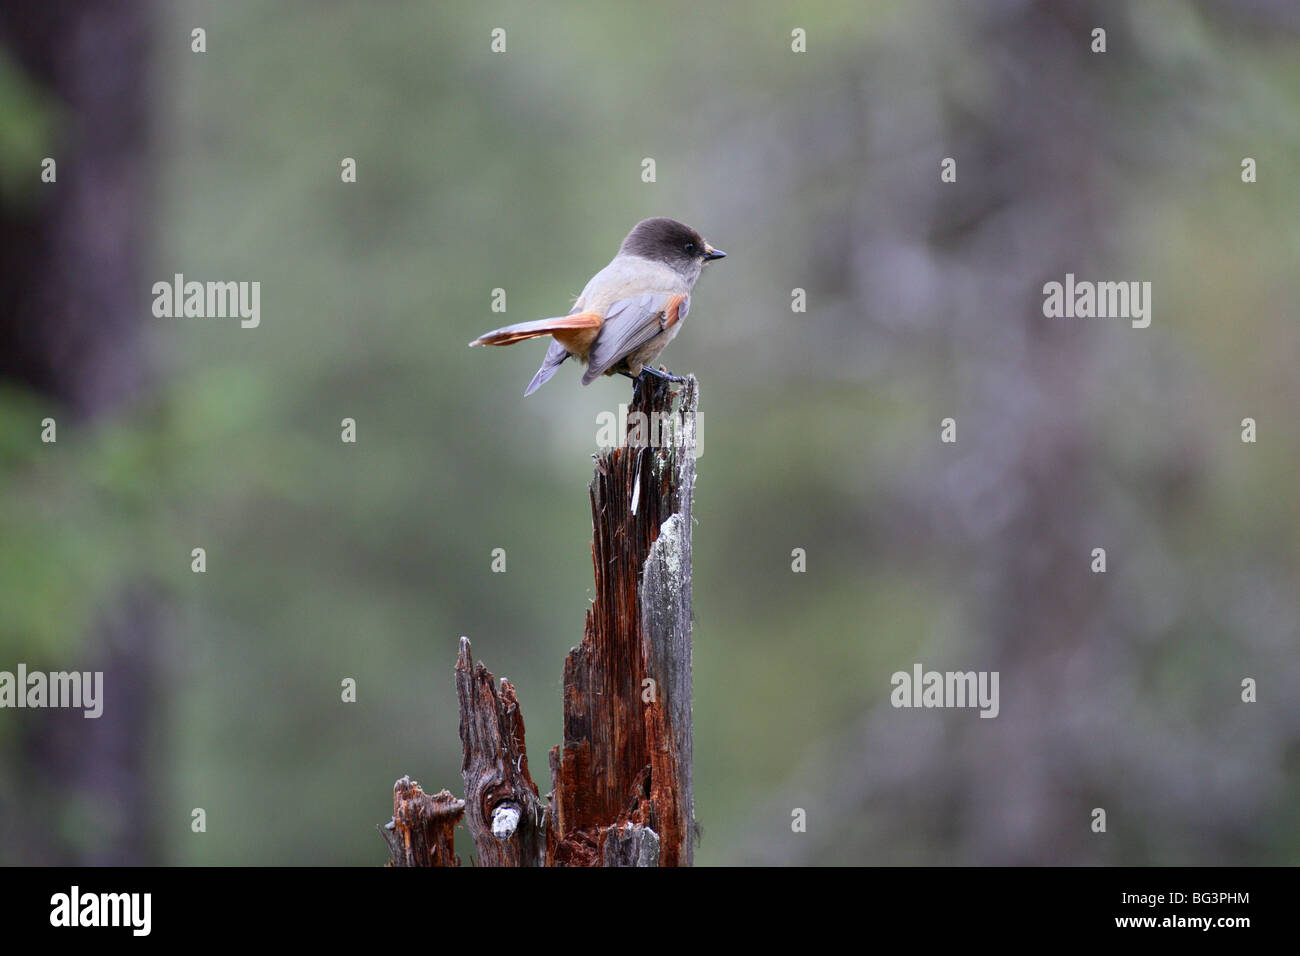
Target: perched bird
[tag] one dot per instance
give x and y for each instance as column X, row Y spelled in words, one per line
column 629, row 311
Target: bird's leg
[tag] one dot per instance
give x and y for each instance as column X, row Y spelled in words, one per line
column 636, row 387
column 657, row 373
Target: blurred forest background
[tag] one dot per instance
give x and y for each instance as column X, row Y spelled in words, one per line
column 522, row 170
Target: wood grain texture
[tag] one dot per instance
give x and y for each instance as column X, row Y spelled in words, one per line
column 626, row 756
column 422, row 830
column 498, row 786
column 622, row 791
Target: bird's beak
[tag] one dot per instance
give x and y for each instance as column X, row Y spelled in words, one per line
column 710, row 253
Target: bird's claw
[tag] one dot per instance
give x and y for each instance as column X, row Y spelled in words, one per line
column 660, row 373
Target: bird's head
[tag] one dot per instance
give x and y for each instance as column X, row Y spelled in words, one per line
column 673, row 243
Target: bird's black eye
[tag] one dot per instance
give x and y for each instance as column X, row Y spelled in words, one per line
column 690, row 248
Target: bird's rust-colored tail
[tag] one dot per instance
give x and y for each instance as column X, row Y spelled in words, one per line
column 511, row 334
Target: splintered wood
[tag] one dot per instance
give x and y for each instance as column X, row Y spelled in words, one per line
column 502, row 808
column 627, row 708
column 422, row 831
column 621, row 786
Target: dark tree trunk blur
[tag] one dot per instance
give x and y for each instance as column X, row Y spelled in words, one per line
column 72, row 314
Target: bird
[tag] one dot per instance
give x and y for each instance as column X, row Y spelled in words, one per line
column 629, row 310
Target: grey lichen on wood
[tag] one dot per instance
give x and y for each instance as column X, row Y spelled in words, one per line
column 629, row 845
column 666, row 608
column 666, row 621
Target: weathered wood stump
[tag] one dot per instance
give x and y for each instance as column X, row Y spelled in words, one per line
column 621, row 787
column 503, row 810
column 422, row 831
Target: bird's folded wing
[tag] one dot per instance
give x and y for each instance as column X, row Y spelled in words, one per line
column 631, row 323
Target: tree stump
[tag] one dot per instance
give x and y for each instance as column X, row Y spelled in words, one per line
column 621, row 786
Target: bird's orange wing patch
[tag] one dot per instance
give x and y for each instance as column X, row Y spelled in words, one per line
column 672, row 311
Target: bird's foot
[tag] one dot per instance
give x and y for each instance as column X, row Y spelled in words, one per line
column 661, row 373
column 639, row 382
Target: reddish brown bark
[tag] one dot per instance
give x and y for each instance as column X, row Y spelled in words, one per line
column 626, row 705
column 422, row 831
column 621, row 781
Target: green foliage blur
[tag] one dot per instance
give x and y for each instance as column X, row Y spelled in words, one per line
column 522, row 171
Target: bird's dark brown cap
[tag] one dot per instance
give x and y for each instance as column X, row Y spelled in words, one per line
column 667, row 240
